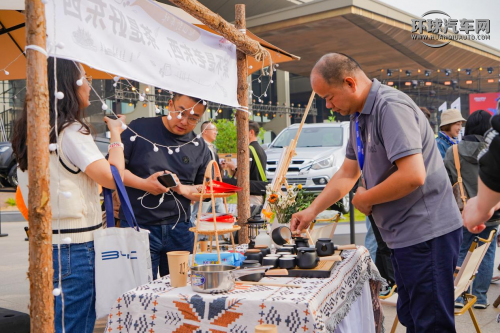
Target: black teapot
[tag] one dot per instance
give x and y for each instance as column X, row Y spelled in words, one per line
column 324, row 247
column 301, row 242
column 307, row 258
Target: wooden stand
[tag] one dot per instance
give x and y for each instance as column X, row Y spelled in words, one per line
column 212, row 172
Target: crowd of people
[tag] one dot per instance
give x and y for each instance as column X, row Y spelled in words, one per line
column 404, row 176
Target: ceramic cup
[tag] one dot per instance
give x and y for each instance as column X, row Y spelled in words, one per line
column 287, row 263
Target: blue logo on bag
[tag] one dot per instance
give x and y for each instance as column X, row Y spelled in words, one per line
column 110, row 255
column 197, row 280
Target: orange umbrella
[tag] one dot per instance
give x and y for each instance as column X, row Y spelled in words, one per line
column 13, row 40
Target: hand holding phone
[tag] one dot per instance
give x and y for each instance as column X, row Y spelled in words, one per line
column 167, row 180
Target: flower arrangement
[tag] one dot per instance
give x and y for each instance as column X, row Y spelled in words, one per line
column 283, row 204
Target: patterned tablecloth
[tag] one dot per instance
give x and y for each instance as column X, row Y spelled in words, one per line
column 316, row 307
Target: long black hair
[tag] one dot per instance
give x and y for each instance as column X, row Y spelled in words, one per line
column 68, row 108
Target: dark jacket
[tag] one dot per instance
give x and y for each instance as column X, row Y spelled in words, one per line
column 468, row 150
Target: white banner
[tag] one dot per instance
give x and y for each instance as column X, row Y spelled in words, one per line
column 456, row 104
column 141, row 41
column 443, row 107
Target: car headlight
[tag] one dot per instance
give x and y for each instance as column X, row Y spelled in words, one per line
column 323, row 164
column 4, row 149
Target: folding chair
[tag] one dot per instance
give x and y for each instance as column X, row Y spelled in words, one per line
column 325, row 231
column 464, row 276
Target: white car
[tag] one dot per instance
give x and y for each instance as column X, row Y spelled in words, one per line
column 320, row 153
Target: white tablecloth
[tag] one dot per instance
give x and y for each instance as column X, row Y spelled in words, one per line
column 321, row 305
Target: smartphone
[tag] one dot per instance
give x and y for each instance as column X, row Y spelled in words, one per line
column 167, row 180
column 111, row 116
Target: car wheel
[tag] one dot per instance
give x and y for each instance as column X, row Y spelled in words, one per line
column 345, row 204
column 12, row 177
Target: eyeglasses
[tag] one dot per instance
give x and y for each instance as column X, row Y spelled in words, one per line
column 186, row 113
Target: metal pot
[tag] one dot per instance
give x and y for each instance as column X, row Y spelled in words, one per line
column 218, row 278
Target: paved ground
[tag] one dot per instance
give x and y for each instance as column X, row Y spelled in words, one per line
column 14, row 287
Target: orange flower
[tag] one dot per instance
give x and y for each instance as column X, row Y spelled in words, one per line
column 267, row 214
column 273, row 198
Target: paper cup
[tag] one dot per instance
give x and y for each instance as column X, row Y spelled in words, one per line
column 266, row 328
column 204, row 246
column 178, row 267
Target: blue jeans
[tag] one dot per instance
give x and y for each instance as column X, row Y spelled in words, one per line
column 78, row 277
column 481, row 283
column 163, row 239
column 424, row 275
column 370, row 241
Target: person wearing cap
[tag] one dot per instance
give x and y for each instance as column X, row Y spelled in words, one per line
column 451, row 124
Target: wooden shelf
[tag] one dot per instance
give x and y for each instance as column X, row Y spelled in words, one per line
column 214, row 195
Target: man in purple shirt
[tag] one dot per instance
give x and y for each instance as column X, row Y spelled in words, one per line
column 406, row 189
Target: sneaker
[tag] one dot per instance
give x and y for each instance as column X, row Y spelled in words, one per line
column 495, row 279
column 459, row 305
column 481, row 306
column 384, row 291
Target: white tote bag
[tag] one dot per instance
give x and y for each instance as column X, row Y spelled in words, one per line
column 123, row 260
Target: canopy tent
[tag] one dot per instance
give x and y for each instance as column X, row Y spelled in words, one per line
column 13, row 40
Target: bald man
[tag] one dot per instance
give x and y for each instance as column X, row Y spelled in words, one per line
column 406, row 189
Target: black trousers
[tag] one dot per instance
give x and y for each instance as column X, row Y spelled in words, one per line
column 383, row 258
column 424, row 274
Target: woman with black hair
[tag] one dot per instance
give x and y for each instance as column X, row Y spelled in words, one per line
column 76, row 168
column 468, row 150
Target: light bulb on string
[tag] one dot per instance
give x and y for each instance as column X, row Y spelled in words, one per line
column 170, row 151
column 259, row 80
column 177, row 149
column 191, row 112
column 157, row 110
column 116, row 78
column 66, row 240
column 60, row 45
column 53, row 147
column 79, row 82
column 56, row 291
column 104, row 107
column 155, row 148
column 141, row 98
column 6, row 72
column 195, row 143
column 59, row 95
column 133, row 137
column 169, row 117
column 179, row 116
column 204, row 102
column 124, row 127
column 250, row 67
column 114, row 84
column 272, row 81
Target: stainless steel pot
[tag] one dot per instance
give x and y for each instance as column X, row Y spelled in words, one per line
column 219, row 278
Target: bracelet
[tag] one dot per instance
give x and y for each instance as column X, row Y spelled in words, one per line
column 116, row 144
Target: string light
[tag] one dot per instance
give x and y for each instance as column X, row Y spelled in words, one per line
column 79, row 82
column 59, row 95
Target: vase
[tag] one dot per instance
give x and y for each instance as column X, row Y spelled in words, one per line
column 263, row 239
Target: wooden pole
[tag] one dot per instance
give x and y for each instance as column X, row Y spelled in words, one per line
column 242, row 130
column 221, row 26
column 39, row 210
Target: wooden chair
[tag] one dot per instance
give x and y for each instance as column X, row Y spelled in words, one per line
column 464, row 276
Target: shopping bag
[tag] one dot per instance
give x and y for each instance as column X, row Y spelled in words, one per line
column 123, row 260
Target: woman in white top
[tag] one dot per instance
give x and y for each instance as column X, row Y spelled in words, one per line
column 76, row 169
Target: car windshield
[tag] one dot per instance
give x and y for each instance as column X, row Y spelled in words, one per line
column 311, row 137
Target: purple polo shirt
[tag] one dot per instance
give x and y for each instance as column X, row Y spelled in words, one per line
column 392, row 127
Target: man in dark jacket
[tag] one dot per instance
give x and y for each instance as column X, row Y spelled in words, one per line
column 468, row 150
column 481, row 208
